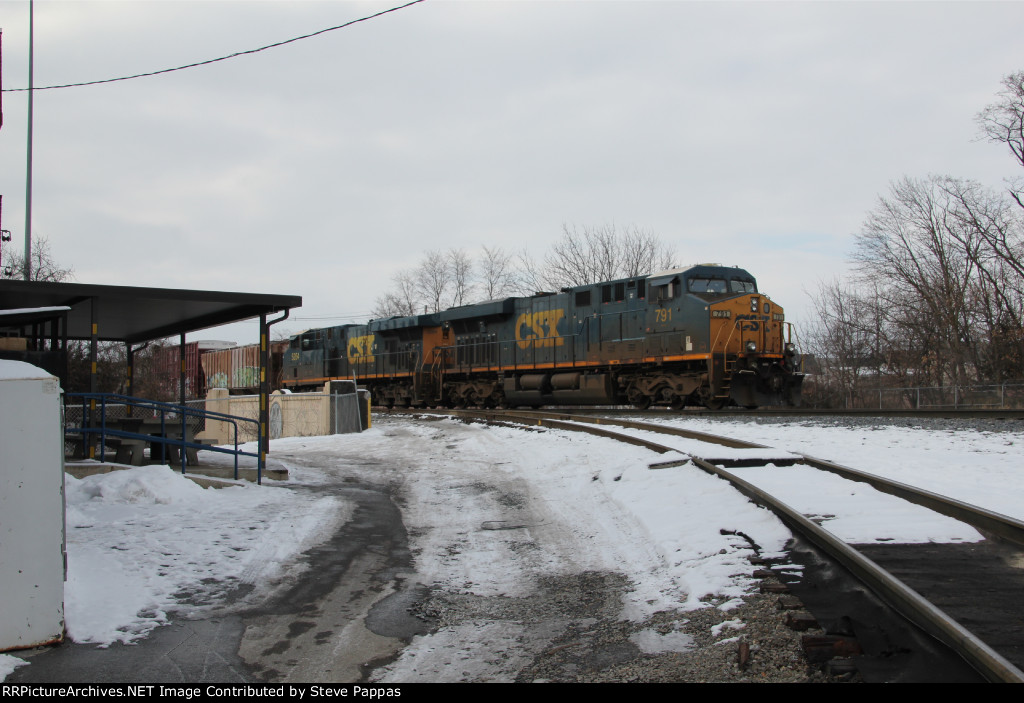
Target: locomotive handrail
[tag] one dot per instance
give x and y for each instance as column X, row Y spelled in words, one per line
column 725, row 346
column 791, row 328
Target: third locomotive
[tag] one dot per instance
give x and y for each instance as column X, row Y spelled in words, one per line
column 702, row 335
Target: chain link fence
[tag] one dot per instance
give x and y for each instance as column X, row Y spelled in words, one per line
column 997, row 397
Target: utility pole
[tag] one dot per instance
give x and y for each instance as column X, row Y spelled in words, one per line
column 28, row 175
column 5, row 236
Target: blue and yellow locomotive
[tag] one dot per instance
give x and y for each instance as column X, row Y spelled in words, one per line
column 702, row 335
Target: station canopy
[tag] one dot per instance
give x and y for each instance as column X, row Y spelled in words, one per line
column 135, row 315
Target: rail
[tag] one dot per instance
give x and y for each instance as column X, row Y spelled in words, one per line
column 996, row 523
column 97, row 424
column 988, row 662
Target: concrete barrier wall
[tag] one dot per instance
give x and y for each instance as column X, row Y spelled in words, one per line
column 291, row 415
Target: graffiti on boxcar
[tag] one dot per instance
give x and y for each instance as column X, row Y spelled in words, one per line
column 217, row 380
column 245, row 377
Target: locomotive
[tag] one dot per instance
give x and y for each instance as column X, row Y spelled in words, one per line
column 701, row 335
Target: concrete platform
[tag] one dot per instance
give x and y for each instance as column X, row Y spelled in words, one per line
column 206, row 476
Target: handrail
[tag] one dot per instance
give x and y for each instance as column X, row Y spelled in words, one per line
column 89, row 426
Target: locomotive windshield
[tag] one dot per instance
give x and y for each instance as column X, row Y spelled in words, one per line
column 720, row 286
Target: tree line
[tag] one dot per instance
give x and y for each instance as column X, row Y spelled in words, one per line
column 580, row 256
column 936, row 293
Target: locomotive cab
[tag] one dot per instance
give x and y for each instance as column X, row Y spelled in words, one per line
column 716, row 339
column 751, row 361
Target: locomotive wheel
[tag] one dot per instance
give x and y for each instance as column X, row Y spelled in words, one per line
column 638, row 398
column 642, row 403
column 677, row 403
column 715, row 403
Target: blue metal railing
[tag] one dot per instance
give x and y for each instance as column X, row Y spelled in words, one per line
column 173, row 419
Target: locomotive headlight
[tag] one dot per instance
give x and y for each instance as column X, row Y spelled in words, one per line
column 751, row 346
column 753, row 305
column 790, row 348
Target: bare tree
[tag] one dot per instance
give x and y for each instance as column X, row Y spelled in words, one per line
column 588, row 255
column 992, row 234
column 915, row 253
column 44, row 265
column 460, row 269
column 947, row 257
column 531, row 275
column 401, row 301
column 644, row 252
column 1003, row 122
column 497, row 271
column 845, row 339
column 434, row 281
column 580, row 257
column 583, row 256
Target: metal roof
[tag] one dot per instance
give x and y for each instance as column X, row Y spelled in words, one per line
column 134, row 315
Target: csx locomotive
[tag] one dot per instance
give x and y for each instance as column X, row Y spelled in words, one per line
column 701, row 335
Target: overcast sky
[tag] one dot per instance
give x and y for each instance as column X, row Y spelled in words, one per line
column 749, row 133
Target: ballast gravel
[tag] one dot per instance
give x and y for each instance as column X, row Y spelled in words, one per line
column 575, row 635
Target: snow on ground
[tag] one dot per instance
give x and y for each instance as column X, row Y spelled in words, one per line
column 489, row 509
column 855, row 512
column 591, row 502
column 982, row 467
column 141, row 540
column 8, row 663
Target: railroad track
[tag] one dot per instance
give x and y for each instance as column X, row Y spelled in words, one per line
column 998, row 662
column 987, row 413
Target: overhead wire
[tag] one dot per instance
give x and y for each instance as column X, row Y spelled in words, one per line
column 222, row 58
column 342, row 316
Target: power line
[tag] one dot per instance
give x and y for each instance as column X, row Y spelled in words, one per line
column 222, row 58
column 342, row 316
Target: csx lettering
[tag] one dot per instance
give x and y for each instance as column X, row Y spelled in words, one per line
column 360, row 349
column 539, row 329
